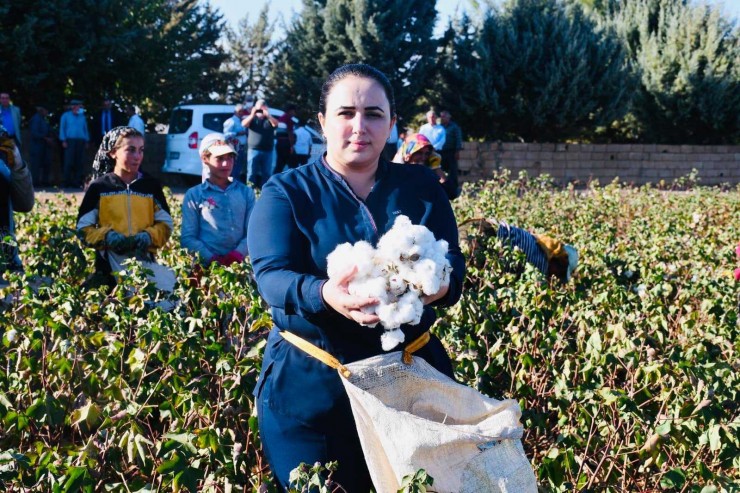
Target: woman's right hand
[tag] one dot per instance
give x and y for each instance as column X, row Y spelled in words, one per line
column 336, row 294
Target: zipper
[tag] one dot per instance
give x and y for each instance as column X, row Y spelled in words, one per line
column 128, row 203
column 359, row 201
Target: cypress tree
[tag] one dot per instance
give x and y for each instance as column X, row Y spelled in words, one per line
column 393, row 35
column 688, row 58
column 540, row 70
column 251, row 51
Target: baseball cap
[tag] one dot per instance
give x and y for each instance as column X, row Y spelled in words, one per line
column 216, row 144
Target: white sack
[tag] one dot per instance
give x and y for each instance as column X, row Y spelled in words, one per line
column 412, row 417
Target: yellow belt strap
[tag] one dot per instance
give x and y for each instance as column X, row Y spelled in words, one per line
column 415, row 345
column 332, row 362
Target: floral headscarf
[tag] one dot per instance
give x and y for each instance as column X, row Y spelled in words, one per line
column 416, row 143
column 103, row 163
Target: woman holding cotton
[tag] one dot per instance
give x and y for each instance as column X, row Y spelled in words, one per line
column 348, row 195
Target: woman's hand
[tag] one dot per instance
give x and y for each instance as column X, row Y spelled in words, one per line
column 431, row 298
column 337, row 296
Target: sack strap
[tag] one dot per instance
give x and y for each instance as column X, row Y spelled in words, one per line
column 332, row 362
column 414, row 346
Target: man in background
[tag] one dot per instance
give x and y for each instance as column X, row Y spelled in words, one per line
column 10, row 118
column 135, row 120
column 236, row 135
column 108, row 118
column 260, row 143
column 285, row 139
column 302, row 146
column 41, row 141
column 74, row 136
column 450, row 153
column 433, row 131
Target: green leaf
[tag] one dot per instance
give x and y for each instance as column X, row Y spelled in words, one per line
column 75, row 479
column 185, row 439
column 176, row 463
column 715, row 440
column 675, row 478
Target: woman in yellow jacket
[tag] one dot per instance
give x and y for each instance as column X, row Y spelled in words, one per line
column 124, row 213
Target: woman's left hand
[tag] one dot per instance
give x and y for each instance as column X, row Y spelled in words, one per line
column 431, row 298
column 336, row 294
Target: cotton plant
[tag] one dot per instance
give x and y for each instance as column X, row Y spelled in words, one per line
column 407, row 264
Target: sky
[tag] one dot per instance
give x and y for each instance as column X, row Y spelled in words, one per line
column 235, row 10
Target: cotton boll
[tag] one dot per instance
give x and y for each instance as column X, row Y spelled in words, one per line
column 364, row 257
column 346, row 256
column 412, row 308
column 389, row 315
column 376, row 287
column 428, row 275
column 392, row 338
column 340, row 260
column 397, row 285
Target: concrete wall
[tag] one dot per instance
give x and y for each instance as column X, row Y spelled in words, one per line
column 632, row 163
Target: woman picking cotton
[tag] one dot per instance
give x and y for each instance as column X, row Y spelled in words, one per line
column 417, row 149
column 124, row 214
column 348, row 195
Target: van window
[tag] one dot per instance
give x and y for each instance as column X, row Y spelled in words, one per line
column 180, row 120
column 215, row 121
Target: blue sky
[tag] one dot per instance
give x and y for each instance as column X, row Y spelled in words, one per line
column 234, row 10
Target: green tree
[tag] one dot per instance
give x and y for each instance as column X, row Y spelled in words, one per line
column 538, row 70
column 251, row 52
column 688, row 58
column 151, row 52
column 393, row 35
column 298, row 71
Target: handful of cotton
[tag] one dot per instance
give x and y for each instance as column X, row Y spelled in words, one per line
column 407, row 264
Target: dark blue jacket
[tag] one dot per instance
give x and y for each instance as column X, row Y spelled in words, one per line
column 301, row 216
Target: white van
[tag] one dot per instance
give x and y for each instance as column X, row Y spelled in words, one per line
column 189, row 123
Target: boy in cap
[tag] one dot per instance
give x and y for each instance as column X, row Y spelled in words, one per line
column 216, row 212
column 16, row 194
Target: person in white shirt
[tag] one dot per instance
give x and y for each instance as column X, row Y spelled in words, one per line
column 236, row 135
column 302, row 146
column 433, row 131
column 135, row 120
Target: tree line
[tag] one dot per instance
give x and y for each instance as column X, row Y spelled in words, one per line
column 664, row 71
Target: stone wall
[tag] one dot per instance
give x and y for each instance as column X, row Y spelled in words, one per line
column 631, row 163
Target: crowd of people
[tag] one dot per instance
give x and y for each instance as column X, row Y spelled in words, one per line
column 73, row 133
column 350, row 194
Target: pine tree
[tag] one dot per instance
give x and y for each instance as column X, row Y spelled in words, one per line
column 393, row 35
column 538, row 70
column 688, row 58
column 150, row 52
column 297, row 73
column 251, row 51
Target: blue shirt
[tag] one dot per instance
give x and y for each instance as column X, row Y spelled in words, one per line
column 526, row 242
column 73, row 126
column 301, row 216
column 8, row 122
column 214, row 220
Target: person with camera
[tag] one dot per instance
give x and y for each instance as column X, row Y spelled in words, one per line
column 260, row 143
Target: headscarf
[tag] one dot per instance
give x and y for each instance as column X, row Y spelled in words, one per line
column 103, row 163
column 416, row 143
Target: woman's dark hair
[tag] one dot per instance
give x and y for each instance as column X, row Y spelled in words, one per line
column 357, row 70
